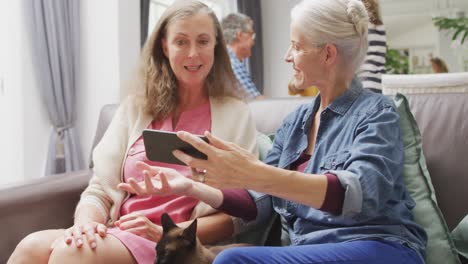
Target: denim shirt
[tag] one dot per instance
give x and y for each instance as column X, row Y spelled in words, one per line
column 359, row 140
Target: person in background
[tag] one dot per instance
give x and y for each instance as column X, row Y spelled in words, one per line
column 438, row 65
column 240, row 38
column 184, row 83
column 335, row 171
column 373, row 66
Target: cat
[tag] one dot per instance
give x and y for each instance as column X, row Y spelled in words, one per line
column 181, row 246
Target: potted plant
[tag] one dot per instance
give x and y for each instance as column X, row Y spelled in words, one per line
column 396, row 62
column 458, row 26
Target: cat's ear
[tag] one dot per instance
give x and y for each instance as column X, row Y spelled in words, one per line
column 190, row 233
column 167, row 223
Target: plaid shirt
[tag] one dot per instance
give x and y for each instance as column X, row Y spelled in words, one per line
column 243, row 76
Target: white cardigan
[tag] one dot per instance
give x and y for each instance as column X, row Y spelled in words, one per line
column 230, row 120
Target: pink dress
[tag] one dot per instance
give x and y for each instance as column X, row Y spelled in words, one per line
column 180, row 208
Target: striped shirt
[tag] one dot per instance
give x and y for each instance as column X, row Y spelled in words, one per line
column 243, row 76
column 373, row 67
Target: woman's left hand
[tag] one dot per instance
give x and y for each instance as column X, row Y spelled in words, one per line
column 140, row 225
column 158, row 181
column 228, row 165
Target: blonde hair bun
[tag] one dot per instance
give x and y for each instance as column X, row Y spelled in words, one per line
column 357, row 14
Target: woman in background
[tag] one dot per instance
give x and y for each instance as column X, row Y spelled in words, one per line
column 373, row 66
column 438, row 65
column 185, row 83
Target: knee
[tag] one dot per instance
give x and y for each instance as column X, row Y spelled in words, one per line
column 231, row 255
column 73, row 254
column 63, row 251
column 31, row 247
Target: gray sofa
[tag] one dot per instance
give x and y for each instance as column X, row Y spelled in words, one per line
column 49, row 202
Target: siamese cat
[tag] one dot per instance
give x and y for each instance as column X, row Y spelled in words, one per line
column 181, row 246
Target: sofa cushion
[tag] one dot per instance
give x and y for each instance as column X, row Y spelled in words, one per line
column 442, row 120
column 264, row 144
column 38, row 204
column 269, row 114
column 105, row 117
column 440, row 247
column 460, row 237
column 438, row 103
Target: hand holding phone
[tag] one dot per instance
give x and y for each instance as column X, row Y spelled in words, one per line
column 159, row 145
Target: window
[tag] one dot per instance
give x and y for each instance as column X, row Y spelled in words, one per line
column 220, row 7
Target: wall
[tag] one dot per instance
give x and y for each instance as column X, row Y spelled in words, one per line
column 109, row 50
column 23, row 138
column 421, row 34
column 11, row 143
column 35, row 120
column 129, row 41
column 275, row 22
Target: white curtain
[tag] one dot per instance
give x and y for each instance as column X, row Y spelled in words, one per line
column 53, row 27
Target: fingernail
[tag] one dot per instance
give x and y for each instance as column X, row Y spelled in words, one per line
column 93, row 245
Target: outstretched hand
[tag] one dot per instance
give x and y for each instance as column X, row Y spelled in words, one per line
column 158, row 181
column 228, row 165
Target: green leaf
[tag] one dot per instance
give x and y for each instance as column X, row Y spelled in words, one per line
column 464, row 37
column 396, row 62
column 456, row 25
column 456, row 33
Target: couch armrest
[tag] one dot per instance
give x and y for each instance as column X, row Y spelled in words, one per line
column 105, row 118
column 45, row 203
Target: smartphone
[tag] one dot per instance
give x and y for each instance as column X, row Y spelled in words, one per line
column 160, row 144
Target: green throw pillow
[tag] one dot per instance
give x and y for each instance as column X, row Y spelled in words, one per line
column 264, row 144
column 440, row 246
column 460, row 237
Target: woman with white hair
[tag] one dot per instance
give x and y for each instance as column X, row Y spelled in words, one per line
column 335, row 172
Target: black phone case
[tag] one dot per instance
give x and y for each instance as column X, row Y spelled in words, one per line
column 160, row 144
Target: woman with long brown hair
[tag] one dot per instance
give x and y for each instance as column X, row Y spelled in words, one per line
column 185, row 82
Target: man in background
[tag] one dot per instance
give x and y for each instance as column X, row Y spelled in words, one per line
column 240, row 38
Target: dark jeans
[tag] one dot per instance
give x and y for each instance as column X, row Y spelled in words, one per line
column 359, row 251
